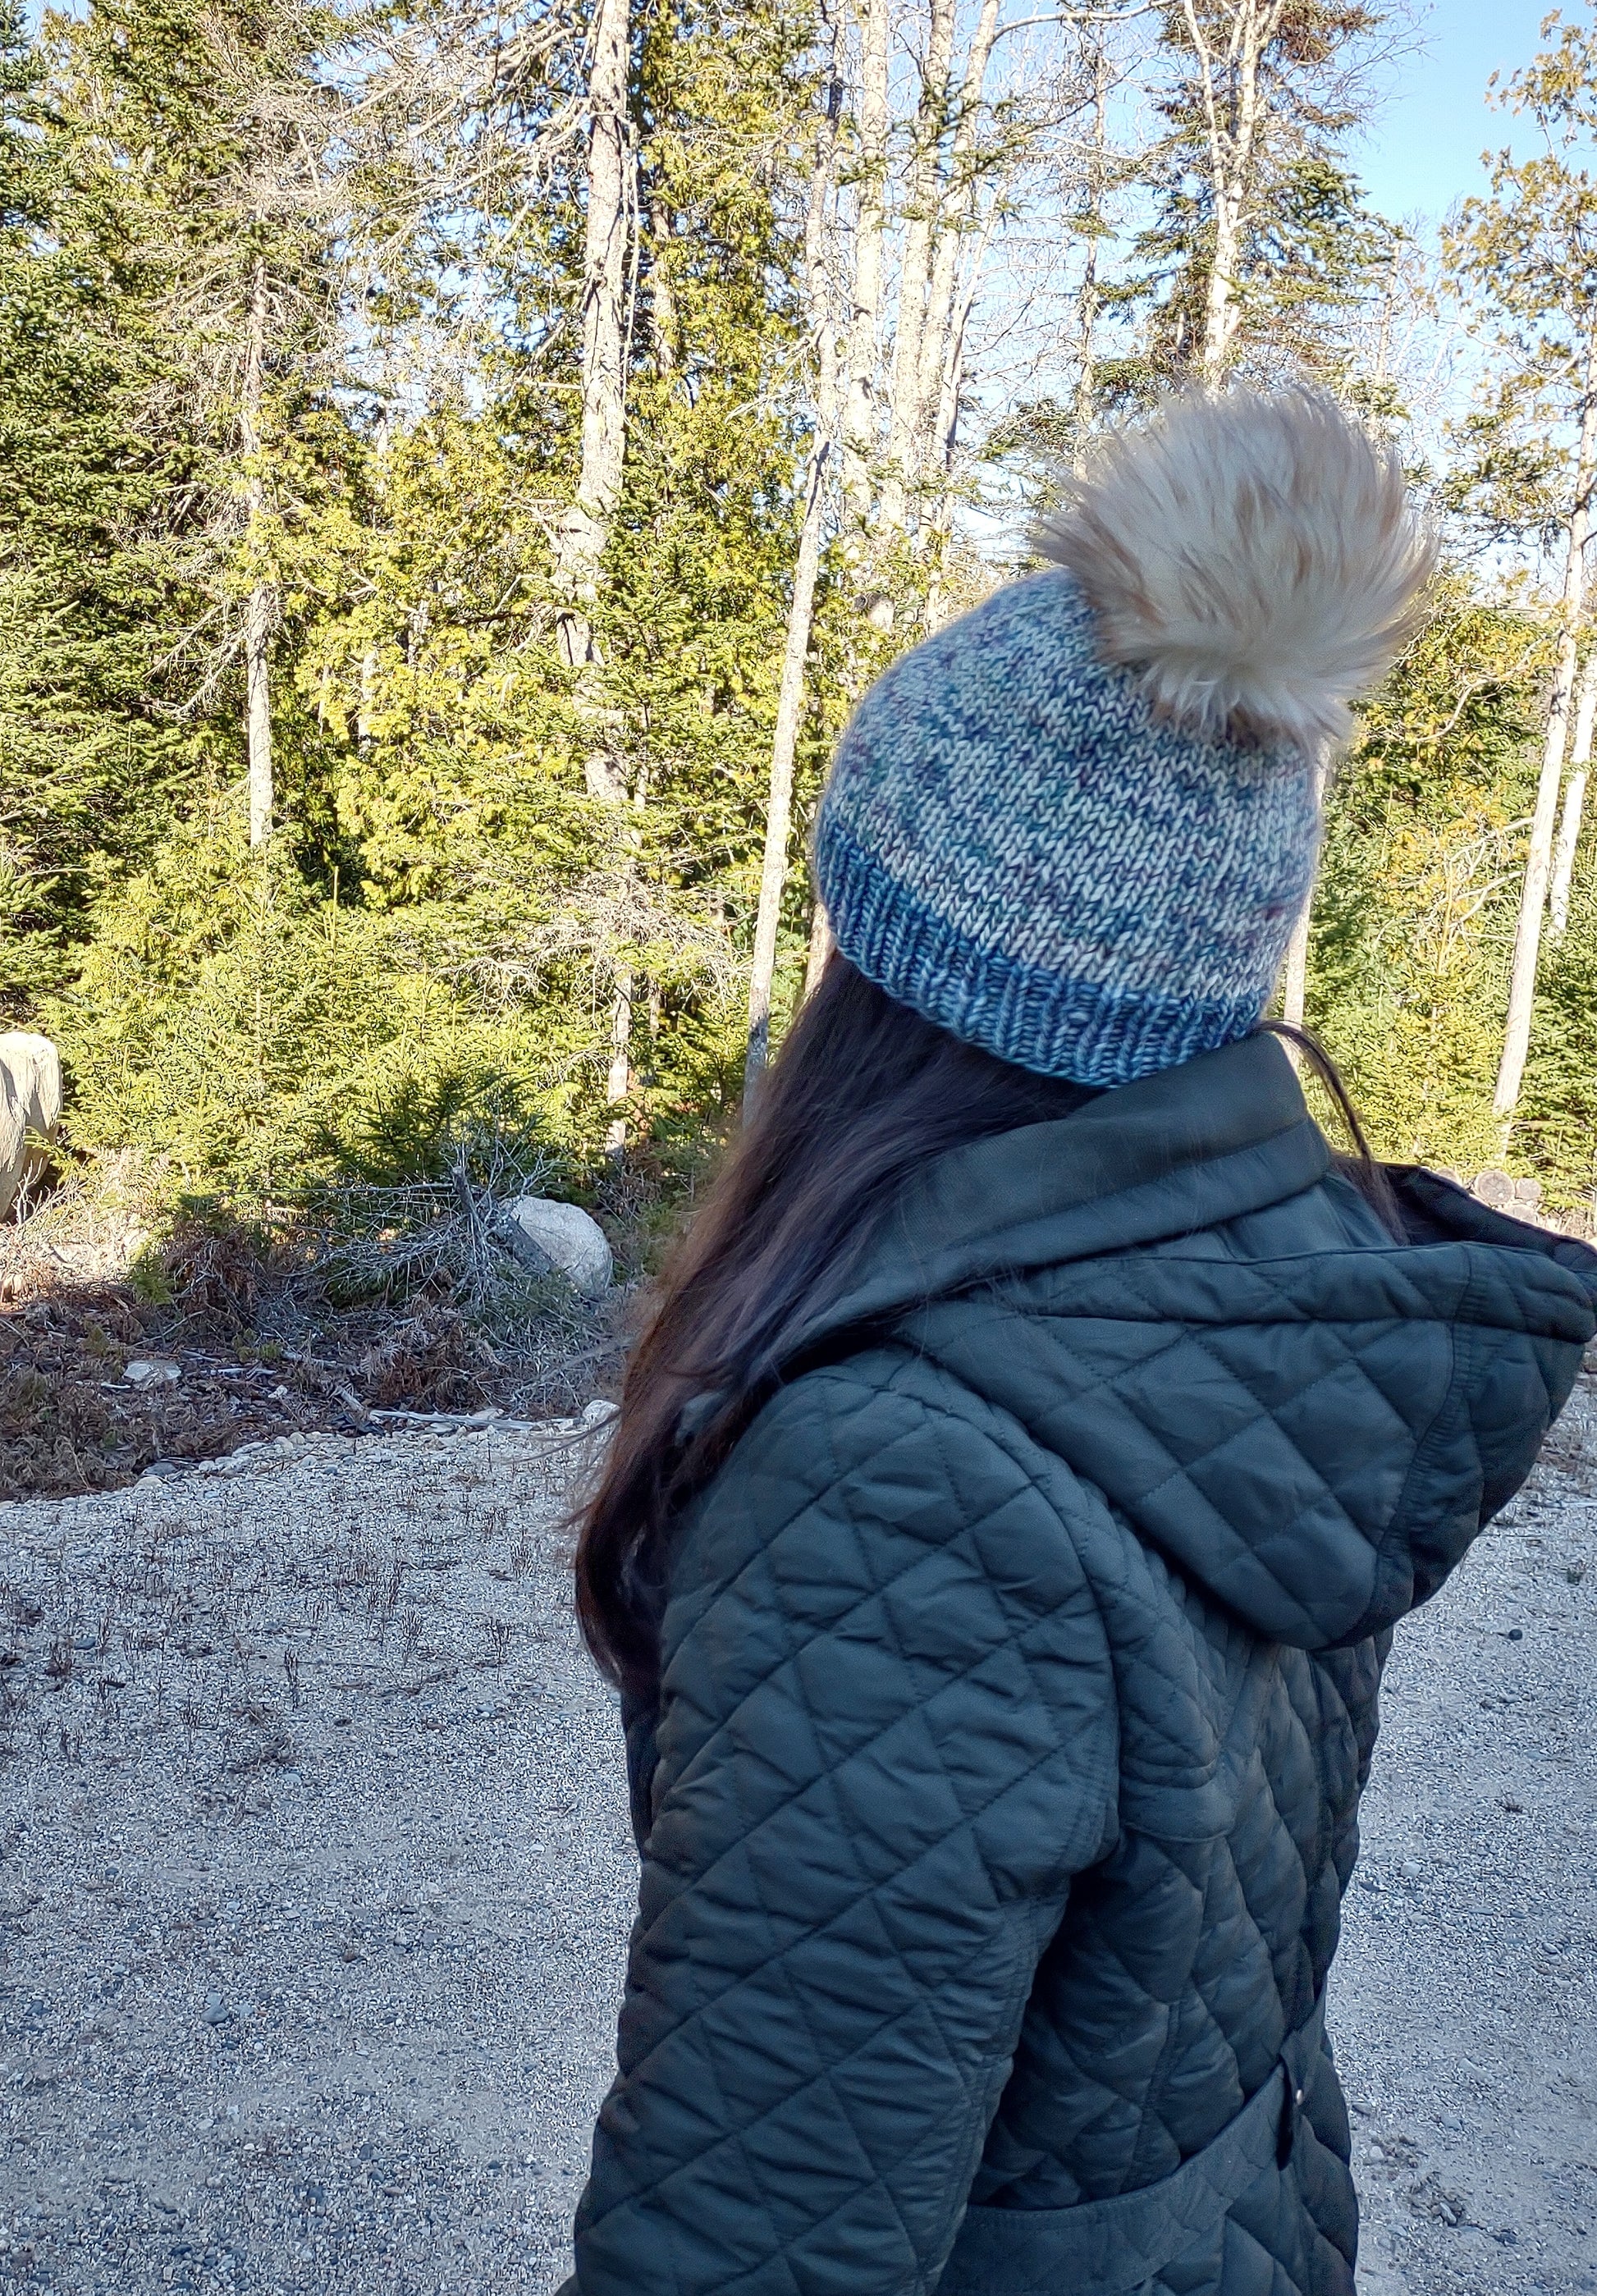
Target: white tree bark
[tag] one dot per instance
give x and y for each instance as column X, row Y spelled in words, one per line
column 923, row 229
column 259, row 607
column 584, row 531
column 1533, row 899
column 942, row 333
column 789, row 701
column 779, row 799
column 617, row 1081
column 821, row 946
column 1231, row 98
column 1294, row 978
column 1575, row 798
column 1087, row 296
column 860, row 442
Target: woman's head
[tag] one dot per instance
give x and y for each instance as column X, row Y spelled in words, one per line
column 1076, row 826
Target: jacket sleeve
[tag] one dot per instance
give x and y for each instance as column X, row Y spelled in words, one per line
column 887, row 1740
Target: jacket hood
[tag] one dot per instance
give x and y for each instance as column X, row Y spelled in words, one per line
column 1177, row 1295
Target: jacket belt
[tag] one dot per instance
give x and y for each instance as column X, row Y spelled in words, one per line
column 1114, row 2246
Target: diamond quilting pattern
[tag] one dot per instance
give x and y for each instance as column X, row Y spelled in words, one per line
column 1020, row 1684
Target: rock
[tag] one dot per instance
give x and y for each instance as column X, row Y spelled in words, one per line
column 30, row 1104
column 545, row 1233
column 596, row 1413
column 1528, row 1191
column 1494, row 1188
column 152, row 1371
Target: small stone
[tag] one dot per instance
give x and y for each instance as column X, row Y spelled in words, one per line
column 216, row 2011
column 544, row 1234
column 152, row 1371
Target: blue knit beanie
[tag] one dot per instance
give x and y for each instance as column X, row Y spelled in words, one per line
column 1076, row 826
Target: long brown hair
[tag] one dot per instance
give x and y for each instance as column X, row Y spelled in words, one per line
column 863, row 1095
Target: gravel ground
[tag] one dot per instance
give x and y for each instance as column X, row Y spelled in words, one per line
column 314, row 1884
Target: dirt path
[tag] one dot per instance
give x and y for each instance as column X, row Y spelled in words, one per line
column 314, row 1884
column 1465, row 2002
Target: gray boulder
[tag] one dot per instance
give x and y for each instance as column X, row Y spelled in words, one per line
column 544, row 1234
column 29, row 1103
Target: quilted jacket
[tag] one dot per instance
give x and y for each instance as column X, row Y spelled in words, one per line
column 1020, row 1678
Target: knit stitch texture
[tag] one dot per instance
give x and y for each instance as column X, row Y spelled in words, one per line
column 1013, row 844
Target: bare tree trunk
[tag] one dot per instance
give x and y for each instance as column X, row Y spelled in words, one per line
column 944, row 320
column 779, row 799
column 1087, row 299
column 1575, row 798
column 259, row 611
column 1233, row 108
column 584, row 531
column 821, row 946
column 859, row 407
column 1533, row 900
column 618, row 1082
column 606, row 782
column 1294, row 978
column 663, row 301
column 945, row 430
column 914, row 270
column 789, row 701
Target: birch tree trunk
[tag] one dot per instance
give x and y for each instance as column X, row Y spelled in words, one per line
column 1087, row 299
column 860, row 442
column 789, row 701
column 1575, row 798
column 1533, row 899
column 779, row 799
column 584, row 531
column 617, row 1081
column 943, row 324
column 606, row 782
column 923, row 228
column 1294, row 978
column 1232, row 102
column 259, row 611
column 821, row 946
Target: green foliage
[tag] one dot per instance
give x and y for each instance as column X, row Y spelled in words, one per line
column 433, row 948
column 1414, row 916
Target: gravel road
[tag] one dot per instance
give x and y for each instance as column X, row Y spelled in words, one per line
column 314, row 1884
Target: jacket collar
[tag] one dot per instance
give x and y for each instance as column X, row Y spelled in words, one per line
column 1218, row 1136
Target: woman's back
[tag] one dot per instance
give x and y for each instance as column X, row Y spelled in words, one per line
column 1018, row 1686
column 1031, row 1453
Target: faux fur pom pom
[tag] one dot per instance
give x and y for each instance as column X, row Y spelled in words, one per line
column 1255, row 556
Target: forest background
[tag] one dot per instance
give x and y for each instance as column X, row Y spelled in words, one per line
column 460, row 463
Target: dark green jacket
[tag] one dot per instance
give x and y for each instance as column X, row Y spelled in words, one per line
column 1020, row 1686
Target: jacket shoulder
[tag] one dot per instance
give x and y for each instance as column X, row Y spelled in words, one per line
column 885, row 1441
column 883, row 1531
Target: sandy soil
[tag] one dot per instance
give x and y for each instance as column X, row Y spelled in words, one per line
column 315, row 1883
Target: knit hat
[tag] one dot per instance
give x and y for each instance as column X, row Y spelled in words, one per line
column 1076, row 826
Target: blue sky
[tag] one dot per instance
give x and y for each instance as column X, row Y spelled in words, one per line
column 1423, row 152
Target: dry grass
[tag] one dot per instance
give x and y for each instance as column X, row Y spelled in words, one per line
column 372, row 1298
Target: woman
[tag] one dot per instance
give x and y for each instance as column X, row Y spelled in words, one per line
column 1034, row 1446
